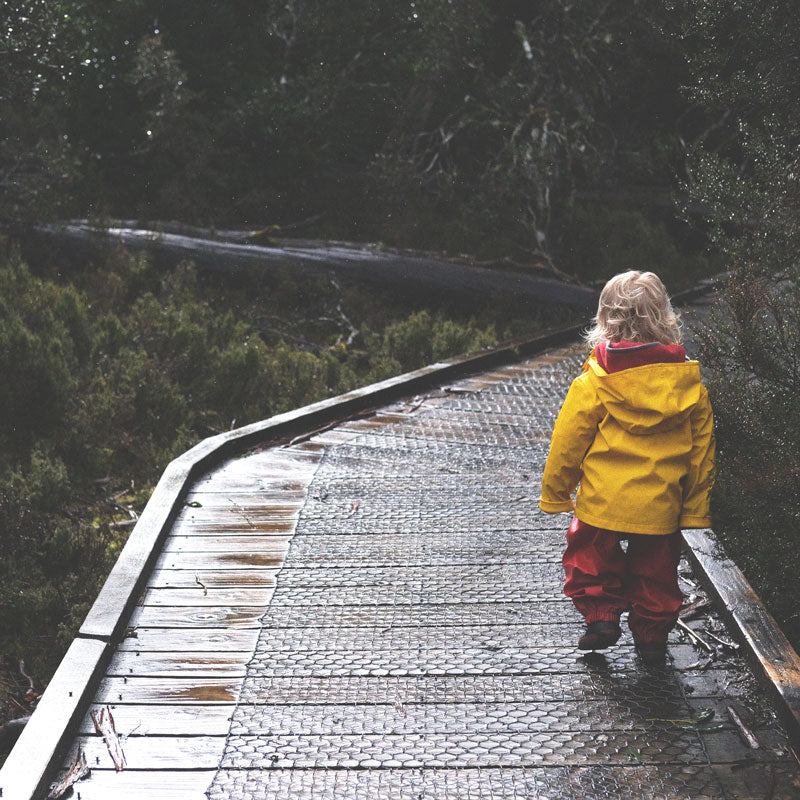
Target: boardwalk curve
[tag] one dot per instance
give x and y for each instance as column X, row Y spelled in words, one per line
column 376, row 612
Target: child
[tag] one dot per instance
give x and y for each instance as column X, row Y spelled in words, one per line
column 636, row 431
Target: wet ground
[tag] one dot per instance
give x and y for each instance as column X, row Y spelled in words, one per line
column 389, row 625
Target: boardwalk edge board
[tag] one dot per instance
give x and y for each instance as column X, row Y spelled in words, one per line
column 32, row 764
column 773, row 657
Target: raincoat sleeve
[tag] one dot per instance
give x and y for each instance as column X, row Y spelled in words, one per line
column 573, row 434
column 696, row 511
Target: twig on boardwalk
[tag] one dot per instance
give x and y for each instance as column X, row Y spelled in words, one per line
column 747, row 736
column 241, row 511
column 723, row 642
column 104, row 725
column 77, row 772
column 199, row 583
column 697, row 639
column 694, row 608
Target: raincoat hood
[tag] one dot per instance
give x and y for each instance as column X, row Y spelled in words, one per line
column 647, row 399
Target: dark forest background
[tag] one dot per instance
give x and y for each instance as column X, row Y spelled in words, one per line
column 583, row 138
column 538, row 131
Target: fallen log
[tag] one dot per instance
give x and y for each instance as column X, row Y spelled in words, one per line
column 393, row 269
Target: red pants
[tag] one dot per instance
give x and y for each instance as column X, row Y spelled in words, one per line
column 603, row 580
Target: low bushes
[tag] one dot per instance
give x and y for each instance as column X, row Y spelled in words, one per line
column 751, row 346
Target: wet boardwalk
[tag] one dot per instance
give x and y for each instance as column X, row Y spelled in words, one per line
column 375, row 613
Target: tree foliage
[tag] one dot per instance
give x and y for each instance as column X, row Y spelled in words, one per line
column 744, row 173
column 450, row 124
column 34, row 161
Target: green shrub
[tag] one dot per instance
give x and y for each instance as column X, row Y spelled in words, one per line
column 751, row 347
column 46, row 482
column 424, row 337
column 598, row 242
column 44, row 337
column 50, row 570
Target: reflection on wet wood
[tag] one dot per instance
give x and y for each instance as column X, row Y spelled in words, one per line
column 209, row 493
column 173, row 664
column 335, row 436
column 212, row 502
column 236, row 517
column 268, row 464
column 250, row 484
column 371, row 423
column 168, row 690
column 235, row 543
column 212, row 578
column 192, row 561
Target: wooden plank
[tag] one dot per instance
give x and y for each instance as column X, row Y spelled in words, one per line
column 206, row 496
column 251, row 526
column 182, row 639
column 234, row 510
column 249, row 484
column 135, row 785
column 335, row 436
column 273, row 460
column 238, row 516
column 169, row 720
column 283, row 452
column 378, row 420
column 194, row 561
column 158, row 752
column 270, row 464
column 214, row 501
column 194, row 617
column 212, row 579
column 235, row 543
column 198, row 596
column 168, row 690
column 306, row 447
column 271, row 485
column 39, row 749
column 172, row 664
column 775, row 659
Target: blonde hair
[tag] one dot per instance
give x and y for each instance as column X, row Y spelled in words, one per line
column 634, row 307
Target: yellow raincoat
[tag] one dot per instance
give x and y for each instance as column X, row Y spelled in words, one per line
column 640, row 442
